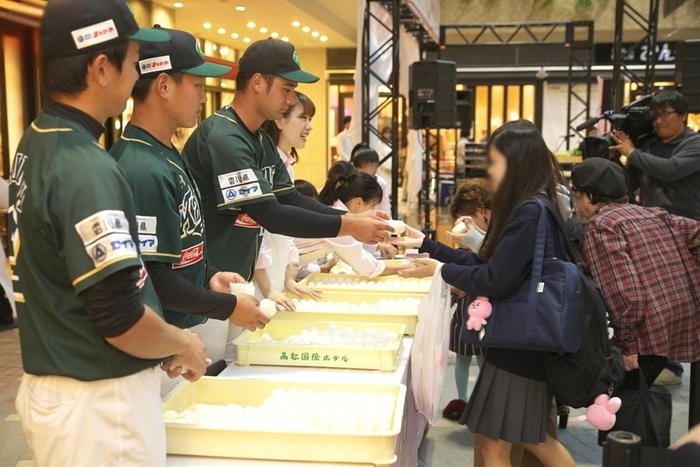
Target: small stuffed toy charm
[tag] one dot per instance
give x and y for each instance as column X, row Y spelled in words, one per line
column 602, row 413
column 479, row 311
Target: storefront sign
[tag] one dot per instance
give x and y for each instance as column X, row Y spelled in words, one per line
column 665, row 53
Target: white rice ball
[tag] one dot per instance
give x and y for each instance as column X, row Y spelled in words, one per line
column 268, row 307
column 242, row 288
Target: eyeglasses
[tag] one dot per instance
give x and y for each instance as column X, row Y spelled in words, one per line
column 664, row 115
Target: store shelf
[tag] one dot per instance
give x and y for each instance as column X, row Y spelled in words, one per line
column 251, row 352
column 311, row 446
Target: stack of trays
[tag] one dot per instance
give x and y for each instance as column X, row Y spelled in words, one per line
column 376, row 347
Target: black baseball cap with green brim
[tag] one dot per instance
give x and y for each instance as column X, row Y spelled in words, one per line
column 275, row 57
column 77, row 27
column 181, row 53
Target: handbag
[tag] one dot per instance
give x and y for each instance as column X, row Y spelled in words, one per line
column 543, row 313
column 645, row 412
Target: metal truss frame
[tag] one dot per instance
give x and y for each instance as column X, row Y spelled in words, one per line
column 401, row 15
column 649, row 26
column 577, row 36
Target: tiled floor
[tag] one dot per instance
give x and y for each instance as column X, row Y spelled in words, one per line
column 446, row 444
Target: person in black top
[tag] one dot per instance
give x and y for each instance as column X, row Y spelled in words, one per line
column 511, row 401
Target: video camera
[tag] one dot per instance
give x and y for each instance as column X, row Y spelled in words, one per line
column 636, row 120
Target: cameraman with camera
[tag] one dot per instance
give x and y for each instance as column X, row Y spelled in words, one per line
column 666, row 168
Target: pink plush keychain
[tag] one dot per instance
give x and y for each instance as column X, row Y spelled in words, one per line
column 602, row 413
column 478, row 311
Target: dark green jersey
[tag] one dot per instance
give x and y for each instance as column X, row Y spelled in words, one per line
column 234, row 168
column 72, row 224
column 168, row 213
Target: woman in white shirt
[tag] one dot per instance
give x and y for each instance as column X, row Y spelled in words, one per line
column 273, row 272
column 356, row 193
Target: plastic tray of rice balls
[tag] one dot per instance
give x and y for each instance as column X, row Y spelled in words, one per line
column 357, row 283
column 367, row 307
column 359, row 346
column 293, row 421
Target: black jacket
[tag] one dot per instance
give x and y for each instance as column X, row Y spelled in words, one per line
column 668, row 174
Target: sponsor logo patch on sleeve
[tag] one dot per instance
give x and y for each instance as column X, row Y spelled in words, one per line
column 148, row 243
column 94, row 34
column 151, row 65
column 190, row 256
column 147, row 224
column 111, row 247
column 237, row 178
column 100, row 224
column 241, row 192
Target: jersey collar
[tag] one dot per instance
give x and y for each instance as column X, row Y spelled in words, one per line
column 66, row 112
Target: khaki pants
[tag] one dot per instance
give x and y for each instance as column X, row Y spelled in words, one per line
column 519, row 456
column 113, row 422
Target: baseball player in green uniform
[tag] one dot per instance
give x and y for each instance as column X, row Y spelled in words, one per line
column 243, row 182
column 168, row 95
column 91, row 326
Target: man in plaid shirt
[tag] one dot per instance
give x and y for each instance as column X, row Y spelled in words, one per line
column 645, row 261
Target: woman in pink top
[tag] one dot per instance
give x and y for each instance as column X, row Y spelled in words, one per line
column 356, row 193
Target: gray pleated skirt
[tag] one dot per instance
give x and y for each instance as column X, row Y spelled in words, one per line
column 508, row 407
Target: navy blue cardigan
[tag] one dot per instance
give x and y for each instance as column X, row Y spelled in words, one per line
column 509, row 266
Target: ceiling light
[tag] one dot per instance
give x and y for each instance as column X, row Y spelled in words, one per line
column 178, row 5
column 221, row 31
column 323, row 38
column 240, row 8
column 206, row 25
column 315, row 34
column 213, row 47
column 274, row 35
column 306, row 29
column 224, row 50
column 235, row 35
column 296, row 24
column 246, row 39
column 223, row 84
column 263, row 30
column 251, row 25
column 285, row 39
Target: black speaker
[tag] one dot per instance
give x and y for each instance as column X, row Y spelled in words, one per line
column 688, row 72
column 464, row 110
column 432, row 95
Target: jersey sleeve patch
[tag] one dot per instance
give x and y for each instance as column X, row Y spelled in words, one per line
column 148, row 243
column 242, row 192
column 110, row 248
column 147, row 224
column 239, row 177
column 102, row 224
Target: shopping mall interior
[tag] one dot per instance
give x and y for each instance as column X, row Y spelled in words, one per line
column 555, row 63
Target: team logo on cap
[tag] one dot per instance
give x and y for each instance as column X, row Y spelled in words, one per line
column 151, row 65
column 295, row 57
column 199, row 49
column 94, row 34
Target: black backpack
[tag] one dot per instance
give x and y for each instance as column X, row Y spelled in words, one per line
column 576, row 379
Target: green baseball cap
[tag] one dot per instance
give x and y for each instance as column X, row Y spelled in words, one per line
column 275, row 57
column 180, row 54
column 75, row 27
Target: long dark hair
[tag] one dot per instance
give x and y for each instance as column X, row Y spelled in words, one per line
column 271, row 128
column 530, row 171
column 347, row 187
